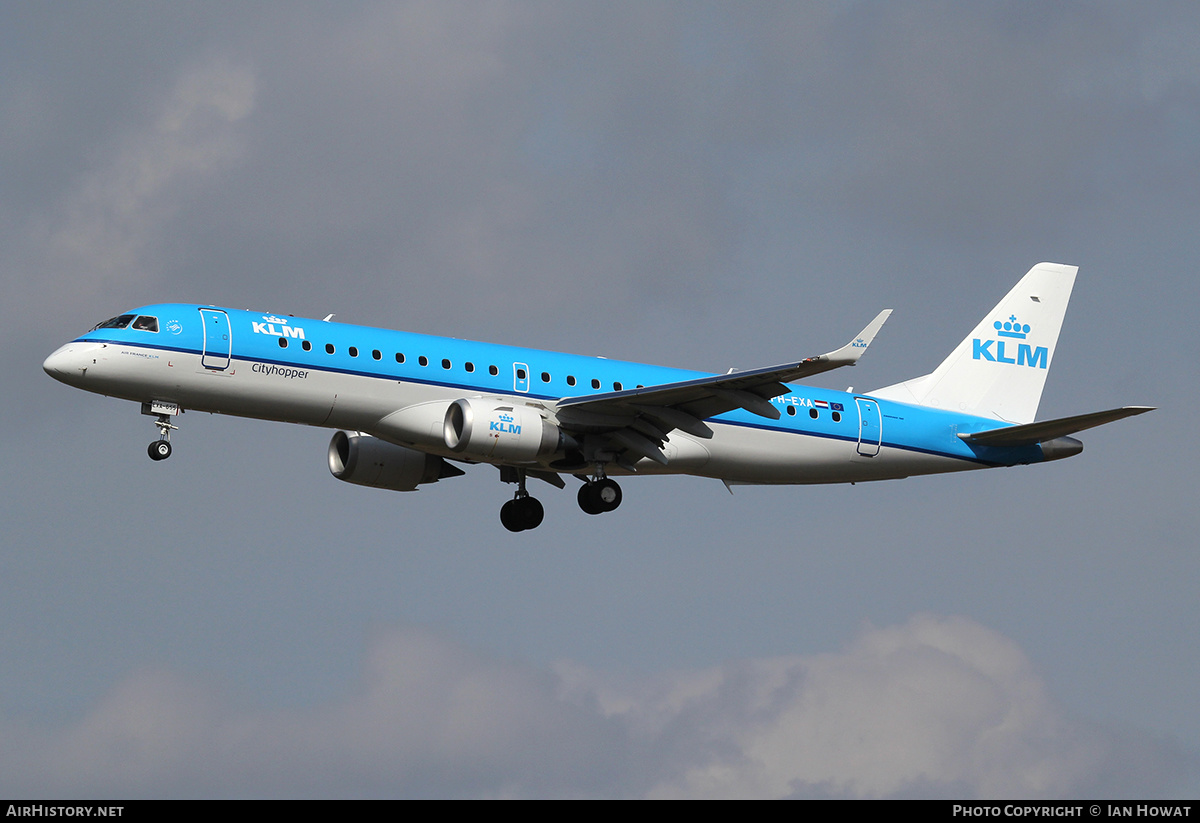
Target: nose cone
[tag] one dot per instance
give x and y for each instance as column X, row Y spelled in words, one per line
column 56, row 363
column 68, row 363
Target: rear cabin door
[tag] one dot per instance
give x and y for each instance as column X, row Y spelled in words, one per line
column 870, row 430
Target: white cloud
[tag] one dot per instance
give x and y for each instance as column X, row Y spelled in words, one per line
column 935, row 702
column 934, row 706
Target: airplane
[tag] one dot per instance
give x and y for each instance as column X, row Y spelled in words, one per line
column 410, row 409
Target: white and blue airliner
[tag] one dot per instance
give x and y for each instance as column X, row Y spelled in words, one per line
column 411, row 409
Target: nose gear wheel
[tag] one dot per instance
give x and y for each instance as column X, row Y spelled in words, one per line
column 160, row 449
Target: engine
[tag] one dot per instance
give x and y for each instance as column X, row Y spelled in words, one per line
column 491, row 430
column 369, row 461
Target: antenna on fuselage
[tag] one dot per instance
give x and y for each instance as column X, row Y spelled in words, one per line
column 328, row 317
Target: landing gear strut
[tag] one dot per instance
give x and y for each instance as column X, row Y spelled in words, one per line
column 600, row 494
column 522, row 512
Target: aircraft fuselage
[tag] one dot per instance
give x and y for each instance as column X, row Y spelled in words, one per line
column 339, row 376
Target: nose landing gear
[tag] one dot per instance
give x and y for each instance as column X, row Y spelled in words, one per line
column 160, row 449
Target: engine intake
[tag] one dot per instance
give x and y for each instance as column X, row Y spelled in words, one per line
column 491, row 430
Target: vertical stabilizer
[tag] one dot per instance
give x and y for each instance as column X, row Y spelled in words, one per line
column 999, row 370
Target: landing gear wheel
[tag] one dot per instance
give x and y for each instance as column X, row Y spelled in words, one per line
column 509, row 518
column 159, row 450
column 521, row 514
column 588, row 500
column 608, row 493
column 599, row 496
column 531, row 511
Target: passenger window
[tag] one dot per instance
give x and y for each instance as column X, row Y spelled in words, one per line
column 570, row 380
column 399, row 357
column 812, row 413
column 791, row 410
column 378, row 355
column 595, row 383
column 837, row 417
column 469, row 366
column 146, row 323
column 493, row 371
column 329, row 348
column 306, row 346
column 616, row 386
column 283, row 342
column 354, row 351
column 423, row 360
column 545, row 377
column 520, row 374
column 445, row 363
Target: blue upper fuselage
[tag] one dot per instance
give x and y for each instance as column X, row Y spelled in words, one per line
column 273, row 340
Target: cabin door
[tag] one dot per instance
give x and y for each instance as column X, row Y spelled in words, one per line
column 217, row 343
column 870, row 430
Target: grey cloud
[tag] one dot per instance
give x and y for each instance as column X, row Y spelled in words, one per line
column 934, row 706
column 109, row 233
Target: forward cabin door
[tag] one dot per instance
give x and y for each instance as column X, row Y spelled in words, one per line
column 218, row 345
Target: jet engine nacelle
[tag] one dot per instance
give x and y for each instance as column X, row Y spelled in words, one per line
column 369, row 461
column 492, row 430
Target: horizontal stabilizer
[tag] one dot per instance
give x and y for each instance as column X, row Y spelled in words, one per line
column 1030, row 433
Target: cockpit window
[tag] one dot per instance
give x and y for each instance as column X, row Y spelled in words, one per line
column 118, row 322
column 146, row 323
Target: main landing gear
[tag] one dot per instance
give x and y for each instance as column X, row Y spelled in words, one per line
column 597, row 495
column 600, row 495
column 523, row 512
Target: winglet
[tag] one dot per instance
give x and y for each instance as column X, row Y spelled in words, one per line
column 848, row 354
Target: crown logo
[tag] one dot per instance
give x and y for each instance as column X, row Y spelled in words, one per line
column 270, row 318
column 506, row 418
column 1011, row 328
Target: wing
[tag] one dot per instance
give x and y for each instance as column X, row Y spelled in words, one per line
column 639, row 420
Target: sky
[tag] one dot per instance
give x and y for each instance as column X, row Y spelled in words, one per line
column 700, row 185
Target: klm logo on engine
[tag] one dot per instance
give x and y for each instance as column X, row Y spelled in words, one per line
column 284, row 330
column 1012, row 330
column 505, row 425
